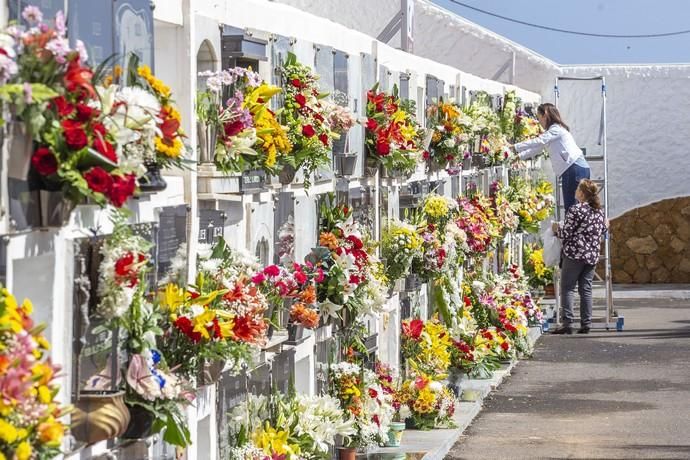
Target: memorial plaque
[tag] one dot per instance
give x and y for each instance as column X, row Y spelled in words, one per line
column 231, row 391
column 133, row 21
column 260, row 380
column 284, row 226
column 280, row 46
column 211, row 226
column 455, row 186
column 92, row 23
column 404, row 86
column 384, row 79
column 171, row 236
column 252, row 181
column 283, row 370
column 432, row 94
column 3, row 260
column 340, row 72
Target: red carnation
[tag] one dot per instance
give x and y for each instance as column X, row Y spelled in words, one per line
column 75, row 135
column 63, row 107
column 185, row 325
column 354, row 279
column 300, row 277
column 356, row 242
column 233, row 129
column 505, row 346
column 99, row 180
column 324, row 139
column 372, row 125
column 44, row 162
column 296, row 83
column 272, row 270
column 308, row 130
column 123, row 187
column 300, row 99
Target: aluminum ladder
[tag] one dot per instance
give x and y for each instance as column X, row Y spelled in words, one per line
column 602, row 278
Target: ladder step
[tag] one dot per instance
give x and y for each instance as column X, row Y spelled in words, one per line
column 595, row 158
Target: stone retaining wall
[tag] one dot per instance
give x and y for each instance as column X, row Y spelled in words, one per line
column 652, row 244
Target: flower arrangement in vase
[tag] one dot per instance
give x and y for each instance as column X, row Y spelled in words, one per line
column 241, row 133
column 393, row 136
column 452, row 131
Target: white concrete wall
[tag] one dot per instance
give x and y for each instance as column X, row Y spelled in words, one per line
column 648, row 135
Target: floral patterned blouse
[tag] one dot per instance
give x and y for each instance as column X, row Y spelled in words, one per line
column 581, row 233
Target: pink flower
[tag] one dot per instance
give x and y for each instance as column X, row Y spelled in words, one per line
column 300, row 277
column 272, row 270
column 258, row 278
column 319, row 275
column 141, row 380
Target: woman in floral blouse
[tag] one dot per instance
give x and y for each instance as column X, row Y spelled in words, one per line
column 581, row 233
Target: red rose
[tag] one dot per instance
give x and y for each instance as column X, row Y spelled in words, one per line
column 296, row 83
column 44, row 162
column 62, row 107
column 426, row 155
column 85, row 113
column 372, row 125
column 99, row 180
column 356, row 242
column 300, row 99
column 185, row 325
column 505, row 346
column 123, row 188
column 324, row 139
column 75, row 135
column 383, row 148
column 308, row 130
column 354, row 279
column 300, row 277
column 105, row 148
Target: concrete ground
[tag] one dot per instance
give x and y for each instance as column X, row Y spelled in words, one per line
column 604, row 395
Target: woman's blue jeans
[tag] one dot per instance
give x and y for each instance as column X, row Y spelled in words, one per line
column 570, row 180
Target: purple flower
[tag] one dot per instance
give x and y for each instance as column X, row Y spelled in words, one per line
column 60, row 27
column 32, row 14
column 8, row 68
column 254, row 79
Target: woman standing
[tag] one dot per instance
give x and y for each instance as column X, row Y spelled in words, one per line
column 581, row 233
column 567, row 159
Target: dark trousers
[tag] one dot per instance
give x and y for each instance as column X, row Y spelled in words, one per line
column 570, row 180
column 580, row 273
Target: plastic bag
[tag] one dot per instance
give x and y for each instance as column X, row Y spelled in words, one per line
column 552, row 248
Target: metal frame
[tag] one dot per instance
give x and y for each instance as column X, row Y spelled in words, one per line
column 610, row 319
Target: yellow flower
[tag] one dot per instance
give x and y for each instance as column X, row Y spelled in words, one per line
column 8, row 433
column 272, row 441
column 23, row 451
column 200, row 322
column 425, row 402
column 172, row 297
column 42, row 373
column 51, row 432
column 27, row 306
column 436, row 206
column 44, row 394
column 172, row 151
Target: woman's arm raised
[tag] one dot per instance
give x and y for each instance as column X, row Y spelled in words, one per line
column 531, row 148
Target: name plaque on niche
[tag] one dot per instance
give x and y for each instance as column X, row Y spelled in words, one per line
column 171, row 237
column 252, row 181
column 211, row 225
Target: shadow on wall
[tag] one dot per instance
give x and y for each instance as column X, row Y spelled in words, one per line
column 652, row 244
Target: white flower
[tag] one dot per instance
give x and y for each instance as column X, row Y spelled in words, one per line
column 81, row 49
column 329, row 308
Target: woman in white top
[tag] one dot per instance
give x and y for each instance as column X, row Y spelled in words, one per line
column 567, row 159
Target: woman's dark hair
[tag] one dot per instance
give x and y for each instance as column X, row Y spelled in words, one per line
column 552, row 115
column 590, row 192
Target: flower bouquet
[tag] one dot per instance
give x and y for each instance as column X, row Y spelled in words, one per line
column 400, row 245
column 29, row 420
column 363, row 398
column 431, row 403
column 426, row 347
column 393, row 136
column 308, row 119
column 538, row 274
column 241, row 133
column 451, row 133
column 287, row 426
column 532, row 202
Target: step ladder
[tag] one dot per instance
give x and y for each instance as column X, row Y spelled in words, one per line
column 603, row 316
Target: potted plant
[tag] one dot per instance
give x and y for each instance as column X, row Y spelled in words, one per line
column 391, row 386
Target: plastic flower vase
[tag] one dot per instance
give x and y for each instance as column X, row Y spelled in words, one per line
column 395, row 434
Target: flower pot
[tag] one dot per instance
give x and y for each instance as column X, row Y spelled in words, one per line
column 295, row 332
column 469, row 395
column 54, row 209
column 207, row 142
column 99, row 416
column 20, row 148
column 479, row 160
column 395, row 434
column 412, row 283
column 393, row 173
column 140, row 424
column 210, row 372
column 345, row 163
column 347, row 453
column 287, row 175
column 152, row 181
column 467, row 163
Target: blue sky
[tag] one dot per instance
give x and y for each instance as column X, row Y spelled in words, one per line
column 597, row 16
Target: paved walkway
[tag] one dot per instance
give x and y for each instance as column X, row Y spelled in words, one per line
column 607, row 395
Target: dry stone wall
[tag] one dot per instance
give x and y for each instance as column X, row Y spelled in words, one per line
column 651, row 244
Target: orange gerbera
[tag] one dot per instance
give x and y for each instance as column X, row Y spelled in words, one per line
column 329, row 240
column 308, row 296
